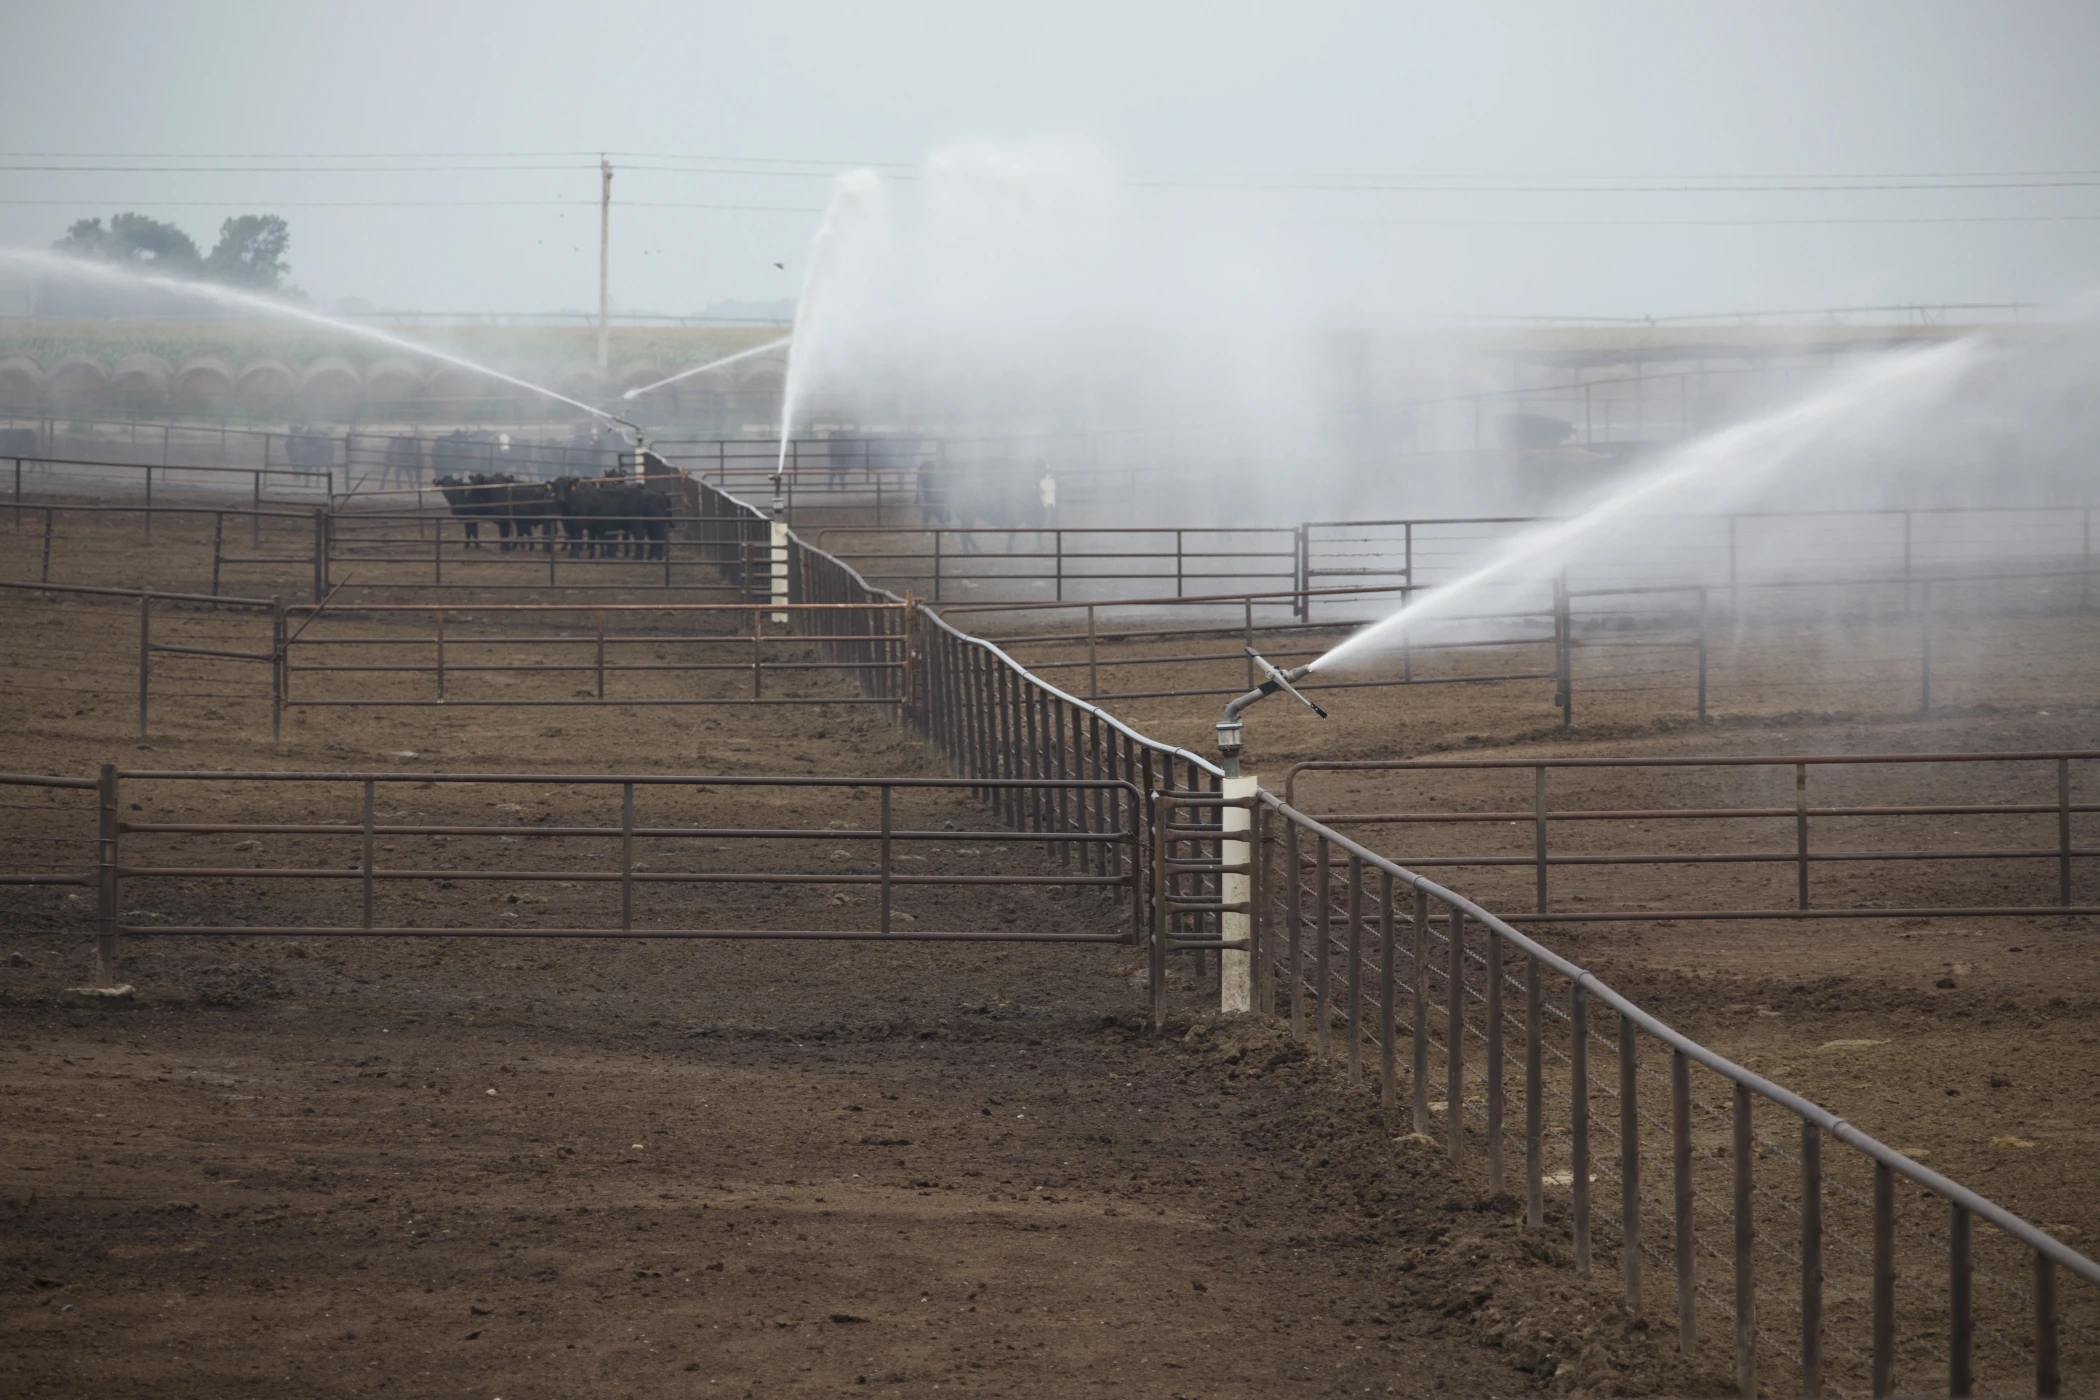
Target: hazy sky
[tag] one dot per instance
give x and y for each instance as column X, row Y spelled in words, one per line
column 1330, row 134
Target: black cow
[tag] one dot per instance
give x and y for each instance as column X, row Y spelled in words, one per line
column 403, row 463
column 523, row 506
column 18, row 442
column 468, row 505
column 304, row 448
column 609, row 518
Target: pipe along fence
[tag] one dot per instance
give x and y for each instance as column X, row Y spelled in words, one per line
column 2041, row 837
column 1861, row 1270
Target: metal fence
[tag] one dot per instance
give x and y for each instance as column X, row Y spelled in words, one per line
column 1858, row 1272
column 955, row 562
column 609, row 650
column 638, row 859
column 1878, row 817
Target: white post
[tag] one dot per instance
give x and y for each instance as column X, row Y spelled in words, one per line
column 604, row 263
column 1236, row 965
column 780, row 569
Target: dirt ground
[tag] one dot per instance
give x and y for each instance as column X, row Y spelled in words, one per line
column 547, row 1168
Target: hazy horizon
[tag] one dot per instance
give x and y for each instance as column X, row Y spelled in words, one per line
column 1623, row 160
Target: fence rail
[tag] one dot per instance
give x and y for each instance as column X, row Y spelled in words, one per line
column 1400, row 970
column 132, row 853
column 1786, row 832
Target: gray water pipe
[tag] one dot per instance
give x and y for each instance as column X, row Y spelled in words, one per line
column 1229, row 727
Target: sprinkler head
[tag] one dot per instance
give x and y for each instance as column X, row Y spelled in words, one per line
column 1229, row 728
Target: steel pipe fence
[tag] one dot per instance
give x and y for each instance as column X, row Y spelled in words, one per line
column 665, row 835
column 1704, row 1187
column 454, row 645
column 954, row 560
column 2039, row 835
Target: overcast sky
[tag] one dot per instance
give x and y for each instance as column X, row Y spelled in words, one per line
column 1249, row 115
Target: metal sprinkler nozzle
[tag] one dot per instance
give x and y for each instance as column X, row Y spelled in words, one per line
column 1229, row 727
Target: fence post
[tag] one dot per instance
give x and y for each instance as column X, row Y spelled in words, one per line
column 1681, row 1191
column 885, row 894
column 45, row 575
column 320, row 553
column 1156, row 953
column 1579, row 1119
column 1925, row 651
column 1322, row 893
column 145, row 650
column 1353, row 950
column 370, row 790
column 1455, row 1038
column 1388, row 1078
column 1418, row 1066
column 1093, row 660
column 2063, row 830
column 1629, row 1162
column 1811, row 1260
column 1961, row 1319
column 1294, row 950
column 149, row 503
column 2048, row 1369
column 440, row 639
column 1884, row 1282
column 1236, row 965
column 1493, row 1015
column 1702, row 656
column 1801, row 834
column 218, row 547
column 1742, row 1146
column 627, row 857
column 106, row 853
column 277, row 670
column 255, row 507
column 1534, row 1091
column 1564, row 635
column 600, row 614
column 1538, row 831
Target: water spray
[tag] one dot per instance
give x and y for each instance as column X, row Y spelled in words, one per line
column 271, row 306
column 632, row 394
column 1229, row 727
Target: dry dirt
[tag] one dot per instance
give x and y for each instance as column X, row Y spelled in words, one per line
column 548, row 1168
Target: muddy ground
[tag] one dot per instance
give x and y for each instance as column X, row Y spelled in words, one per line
column 556, row 1167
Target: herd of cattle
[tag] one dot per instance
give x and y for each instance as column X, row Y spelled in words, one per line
column 601, row 519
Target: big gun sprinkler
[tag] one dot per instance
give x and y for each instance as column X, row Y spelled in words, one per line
column 1229, row 726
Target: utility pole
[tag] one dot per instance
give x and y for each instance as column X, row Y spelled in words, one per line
column 604, row 251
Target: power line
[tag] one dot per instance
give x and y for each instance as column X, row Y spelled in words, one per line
column 836, row 164
column 578, row 204
column 1892, row 220
column 1331, row 184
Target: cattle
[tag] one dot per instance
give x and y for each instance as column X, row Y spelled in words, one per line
column 18, row 442
column 605, row 519
column 305, row 448
column 403, row 464
column 999, row 497
column 467, row 505
column 521, row 506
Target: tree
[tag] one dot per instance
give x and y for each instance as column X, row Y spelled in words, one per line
column 135, row 240
column 250, row 252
